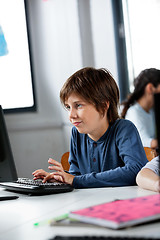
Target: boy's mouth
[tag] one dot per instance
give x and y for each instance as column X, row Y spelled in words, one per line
column 76, row 124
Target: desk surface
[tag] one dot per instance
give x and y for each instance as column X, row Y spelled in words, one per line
column 17, row 217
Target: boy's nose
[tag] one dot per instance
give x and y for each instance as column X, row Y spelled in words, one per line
column 72, row 113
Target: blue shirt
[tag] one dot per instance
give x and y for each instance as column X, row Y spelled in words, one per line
column 113, row 160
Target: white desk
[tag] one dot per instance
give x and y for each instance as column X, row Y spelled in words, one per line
column 17, row 217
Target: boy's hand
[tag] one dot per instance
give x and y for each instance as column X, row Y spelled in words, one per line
column 39, row 174
column 59, row 174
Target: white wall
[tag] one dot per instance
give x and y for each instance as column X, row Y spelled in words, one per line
column 58, row 43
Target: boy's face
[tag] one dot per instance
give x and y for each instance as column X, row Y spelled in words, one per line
column 85, row 117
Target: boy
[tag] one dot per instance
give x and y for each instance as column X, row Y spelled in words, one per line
column 104, row 150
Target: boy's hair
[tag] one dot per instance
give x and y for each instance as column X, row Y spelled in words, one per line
column 96, row 86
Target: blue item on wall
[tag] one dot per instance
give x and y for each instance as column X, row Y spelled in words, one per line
column 3, row 44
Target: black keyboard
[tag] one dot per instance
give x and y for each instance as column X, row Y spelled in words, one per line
column 36, row 187
column 101, row 238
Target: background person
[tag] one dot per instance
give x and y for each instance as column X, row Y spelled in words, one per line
column 138, row 107
column 149, row 175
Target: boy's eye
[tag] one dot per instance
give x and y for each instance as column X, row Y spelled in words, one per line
column 67, row 107
column 78, row 105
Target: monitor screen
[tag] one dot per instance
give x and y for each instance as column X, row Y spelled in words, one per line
column 16, row 58
column 7, row 165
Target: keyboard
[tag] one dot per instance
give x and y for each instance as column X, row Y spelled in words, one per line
column 100, row 238
column 36, row 187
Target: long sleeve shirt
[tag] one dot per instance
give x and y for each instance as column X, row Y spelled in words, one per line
column 113, row 160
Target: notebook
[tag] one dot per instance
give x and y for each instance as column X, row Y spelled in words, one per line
column 121, row 213
column 8, row 174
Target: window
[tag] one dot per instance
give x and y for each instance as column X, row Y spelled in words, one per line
column 137, row 35
column 141, row 22
column 16, row 78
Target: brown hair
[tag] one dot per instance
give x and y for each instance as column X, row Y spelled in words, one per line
column 97, row 86
column 150, row 75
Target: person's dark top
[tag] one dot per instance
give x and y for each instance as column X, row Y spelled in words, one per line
column 113, row 160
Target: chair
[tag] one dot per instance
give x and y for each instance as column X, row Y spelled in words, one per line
column 64, row 161
column 150, row 153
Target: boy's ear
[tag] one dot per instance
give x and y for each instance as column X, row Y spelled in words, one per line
column 150, row 88
column 107, row 105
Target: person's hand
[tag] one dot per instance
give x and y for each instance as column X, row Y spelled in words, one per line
column 56, row 166
column 59, row 174
column 39, row 174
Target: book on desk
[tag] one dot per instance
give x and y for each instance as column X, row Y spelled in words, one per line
column 121, row 213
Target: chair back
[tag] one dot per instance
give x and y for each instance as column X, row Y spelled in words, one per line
column 64, row 161
column 150, row 153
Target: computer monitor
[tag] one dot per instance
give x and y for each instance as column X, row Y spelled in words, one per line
column 7, row 166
